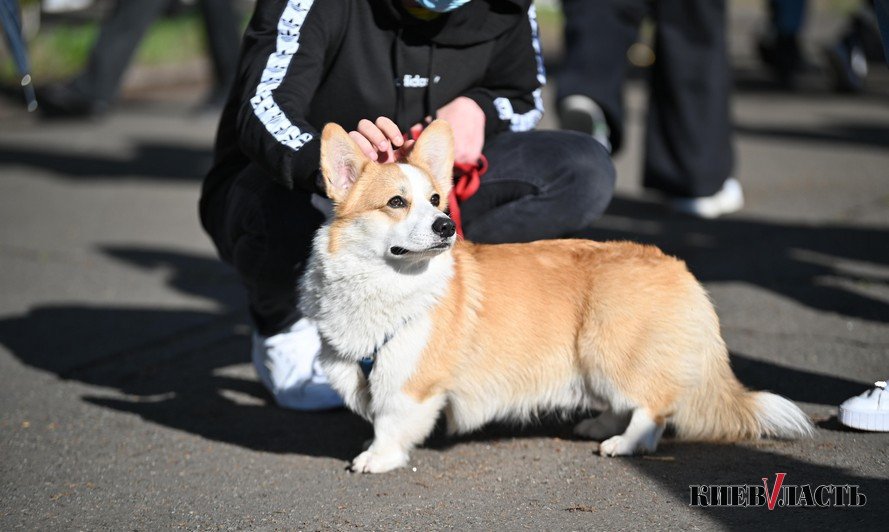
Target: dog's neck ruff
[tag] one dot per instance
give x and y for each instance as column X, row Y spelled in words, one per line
column 358, row 301
column 367, row 363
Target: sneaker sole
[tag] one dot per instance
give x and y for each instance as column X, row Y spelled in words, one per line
column 870, row 421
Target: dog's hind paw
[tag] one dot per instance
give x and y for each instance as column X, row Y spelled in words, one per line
column 376, row 462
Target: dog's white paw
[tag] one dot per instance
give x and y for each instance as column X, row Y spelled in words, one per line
column 617, row 446
column 594, row 429
column 377, row 462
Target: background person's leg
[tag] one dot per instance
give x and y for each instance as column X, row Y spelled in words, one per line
column 540, row 184
column 689, row 134
column 779, row 48
column 787, row 16
column 224, row 40
column 119, row 37
column 597, row 36
column 882, row 10
column 93, row 90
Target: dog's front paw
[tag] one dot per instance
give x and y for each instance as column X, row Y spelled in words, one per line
column 617, row 446
column 376, row 462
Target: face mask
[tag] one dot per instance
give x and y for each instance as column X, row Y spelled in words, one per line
column 441, row 6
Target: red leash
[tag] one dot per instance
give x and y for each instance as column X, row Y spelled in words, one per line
column 467, row 178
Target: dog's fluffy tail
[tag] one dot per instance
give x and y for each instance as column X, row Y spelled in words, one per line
column 721, row 408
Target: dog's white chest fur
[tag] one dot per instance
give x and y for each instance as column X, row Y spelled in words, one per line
column 361, row 302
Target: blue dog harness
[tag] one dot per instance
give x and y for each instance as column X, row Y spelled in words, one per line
column 367, row 363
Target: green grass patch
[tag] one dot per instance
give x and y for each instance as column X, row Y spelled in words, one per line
column 549, row 16
column 59, row 52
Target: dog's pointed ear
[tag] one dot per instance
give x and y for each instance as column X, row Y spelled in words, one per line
column 434, row 152
column 341, row 161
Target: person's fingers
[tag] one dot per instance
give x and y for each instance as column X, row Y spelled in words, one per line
column 364, row 144
column 372, row 133
column 415, row 130
column 391, row 131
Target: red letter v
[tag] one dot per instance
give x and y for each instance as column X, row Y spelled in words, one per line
column 772, row 496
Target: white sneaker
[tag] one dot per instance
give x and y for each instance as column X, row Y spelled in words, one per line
column 287, row 365
column 868, row 411
column 729, row 199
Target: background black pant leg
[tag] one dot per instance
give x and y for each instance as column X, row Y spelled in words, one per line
column 119, row 38
column 689, row 134
column 224, row 39
column 597, row 36
column 540, row 184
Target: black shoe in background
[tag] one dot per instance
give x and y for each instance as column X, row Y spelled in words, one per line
column 784, row 58
column 64, row 100
column 213, row 103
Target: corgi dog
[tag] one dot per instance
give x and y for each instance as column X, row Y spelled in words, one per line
column 494, row 332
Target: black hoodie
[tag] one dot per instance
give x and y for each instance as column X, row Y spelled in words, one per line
column 305, row 63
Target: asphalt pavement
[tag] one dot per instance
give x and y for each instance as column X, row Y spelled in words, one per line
column 127, row 401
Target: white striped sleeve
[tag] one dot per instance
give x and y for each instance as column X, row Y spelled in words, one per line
column 263, row 102
column 528, row 120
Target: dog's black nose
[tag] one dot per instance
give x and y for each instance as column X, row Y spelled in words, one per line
column 444, row 227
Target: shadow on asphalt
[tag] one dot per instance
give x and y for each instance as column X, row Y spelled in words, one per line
column 817, row 265
column 678, row 465
column 167, row 362
column 836, row 133
column 814, row 85
column 149, row 160
column 170, row 364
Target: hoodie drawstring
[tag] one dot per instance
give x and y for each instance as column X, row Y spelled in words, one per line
column 430, row 110
column 399, row 82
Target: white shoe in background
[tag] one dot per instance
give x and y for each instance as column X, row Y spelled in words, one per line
column 729, row 199
column 868, row 411
column 287, row 365
column 64, row 6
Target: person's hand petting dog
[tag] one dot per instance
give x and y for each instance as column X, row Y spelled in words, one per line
column 381, row 140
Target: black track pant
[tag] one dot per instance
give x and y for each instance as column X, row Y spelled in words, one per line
column 123, row 30
column 688, row 148
column 540, row 184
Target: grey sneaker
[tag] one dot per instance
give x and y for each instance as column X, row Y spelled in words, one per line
column 581, row 113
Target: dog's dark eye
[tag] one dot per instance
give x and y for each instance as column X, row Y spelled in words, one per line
column 435, row 200
column 397, row 203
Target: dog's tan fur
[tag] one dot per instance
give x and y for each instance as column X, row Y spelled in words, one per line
column 621, row 310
